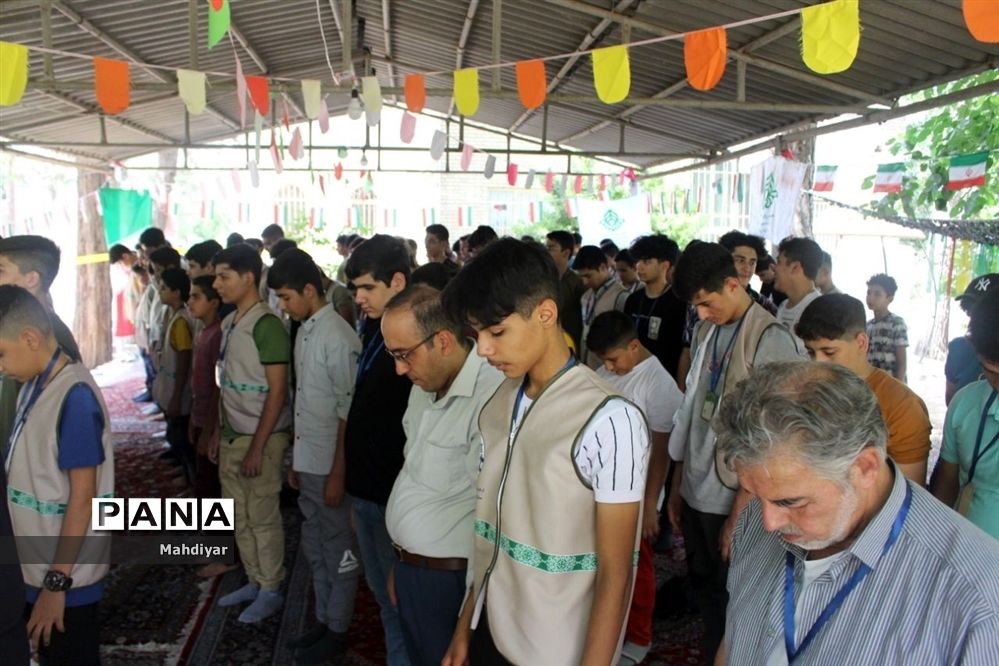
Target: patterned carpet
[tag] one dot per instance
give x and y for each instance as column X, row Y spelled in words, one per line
column 154, row 615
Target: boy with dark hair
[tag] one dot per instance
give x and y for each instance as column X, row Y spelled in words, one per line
column 556, row 441
column 832, row 327
column 31, row 262
column 765, row 271
column 624, row 267
column 887, row 332
column 253, row 382
column 603, row 294
column 152, row 238
column 640, row 377
column 735, row 335
column 149, row 315
column 658, row 313
column 798, row 261
column 59, row 459
column 280, row 247
column 438, row 249
column 234, row 238
column 823, row 279
column 199, row 258
column 963, row 365
column 571, row 288
column 747, row 250
column 271, row 234
column 172, row 388
column 374, row 437
column 119, row 252
column 325, row 358
column 479, row 239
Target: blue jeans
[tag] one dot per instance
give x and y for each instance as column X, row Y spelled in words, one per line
column 379, row 558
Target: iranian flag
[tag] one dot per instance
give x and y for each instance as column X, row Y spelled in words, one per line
column 967, row 171
column 889, row 177
column 824, row 177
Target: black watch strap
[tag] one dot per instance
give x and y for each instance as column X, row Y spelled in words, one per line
column 57, row 581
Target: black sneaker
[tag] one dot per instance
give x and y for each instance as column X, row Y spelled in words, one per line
column 331, row 645
column 308, row 638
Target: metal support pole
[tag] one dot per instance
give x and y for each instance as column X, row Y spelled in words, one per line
column 497, row 41
column 740, row 81
column 544, row 129
column 46, row 16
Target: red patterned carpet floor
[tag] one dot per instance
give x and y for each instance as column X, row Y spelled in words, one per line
column 154, row 615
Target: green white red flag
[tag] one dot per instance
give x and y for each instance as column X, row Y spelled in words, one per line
column 889, row 177
column 967, row 170
column 824, row 177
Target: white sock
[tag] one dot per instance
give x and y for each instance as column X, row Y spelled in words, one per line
column 246, row 593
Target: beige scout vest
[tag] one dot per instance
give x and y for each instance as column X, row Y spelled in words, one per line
column 539, row 579
column 758, row 321
column 607, row 300
column 166, row 374
column 38, row 491
column 241, row 378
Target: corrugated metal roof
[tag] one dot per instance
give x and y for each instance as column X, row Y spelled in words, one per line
column 905, row 45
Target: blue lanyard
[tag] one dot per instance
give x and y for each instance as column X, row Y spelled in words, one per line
column 33, row 391
column 717, row 366
column 841, row 596
column 368, row 357
column 588, row 314
column 523, row 387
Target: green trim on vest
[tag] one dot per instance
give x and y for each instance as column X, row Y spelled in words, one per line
column 29, row 501
column 245, row 388
column 537, row 559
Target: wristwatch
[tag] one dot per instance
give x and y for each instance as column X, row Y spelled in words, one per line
column 57, row 581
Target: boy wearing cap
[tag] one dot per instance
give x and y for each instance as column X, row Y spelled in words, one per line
column 963, row 366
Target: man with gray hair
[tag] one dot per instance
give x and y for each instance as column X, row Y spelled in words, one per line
column 838, row 558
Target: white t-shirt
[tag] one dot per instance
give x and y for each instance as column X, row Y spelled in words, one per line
column 789, row 316
column 652, row 388
column 613, row 454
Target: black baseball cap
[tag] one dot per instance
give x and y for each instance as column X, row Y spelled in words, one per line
column 980, row 286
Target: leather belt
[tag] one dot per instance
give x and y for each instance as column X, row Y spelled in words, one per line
column 436, row 563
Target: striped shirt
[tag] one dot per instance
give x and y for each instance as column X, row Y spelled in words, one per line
column 932, row 599
column 613, row 453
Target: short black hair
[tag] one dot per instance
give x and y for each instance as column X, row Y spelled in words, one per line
column 625, row 256
column 355, row 240
column 827, row 259
column 33, row 254
column 19, row 309
column 764, row 262
column 655, row 246
column 803, row 250
column 206, row 283
column 702, row 266
column 433, row 274
column 590, row 257
column 282, row 246
column 242, row 259
column 152, row 237
column 563, row 238
column 734, row 239
column 577, row 238
column 255, row 243
column 117, row 252
column 482, row 236
column 610, row 248
column 294, row 269
column 165, row 257
column 440, row 232
column 273, row 231
column 177, row 279
column 234, row 239
column 509, row 276
column 382, row 256
column 343, row 239
column 203, row 252
column 610, row 330
column 984, row 324
column 884, row 281
column 832, row 317
column 424, row 301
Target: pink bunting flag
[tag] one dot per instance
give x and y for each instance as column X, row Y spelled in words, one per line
column 237, row 185
column 322, row 184
column 466, row 156
column 511, row 174
column 338, row 170
column 324, row 117
column 549, row 182
column 407, row 128
column 275, row 154
column 295, row 149
column 284, row 114
column 603, row 182
column 577, row 186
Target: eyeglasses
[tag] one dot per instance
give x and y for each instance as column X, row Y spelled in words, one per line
column 403, row 356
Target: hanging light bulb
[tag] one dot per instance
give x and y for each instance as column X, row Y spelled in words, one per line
column 354, row 109
column 364, row 159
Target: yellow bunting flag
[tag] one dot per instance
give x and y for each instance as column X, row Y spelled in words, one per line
column 371, row 94
column 466, row 91
column 704, row 56
column 416, row 92
column 13, row 72
column 312, row 93
column 830, row 35
column 982, row 18
column 111, row 84
column 611, row 73
column 191, row 86
column 531, row 84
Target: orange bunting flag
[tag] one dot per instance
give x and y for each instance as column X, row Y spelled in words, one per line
column 260, row 93
column 704, row 55
column 982, row 17
column 13, row 72
column 531, row 84
column 111, row 84
column 416, row 92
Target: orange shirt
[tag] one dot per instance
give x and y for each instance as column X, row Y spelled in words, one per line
column 906, row 417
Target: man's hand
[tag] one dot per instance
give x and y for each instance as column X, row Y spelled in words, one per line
column 457, row 651
column 650, row 521
column 252, row 462
column 293, row 479
column 213, row 448
column 333, row 490
column 673, row 507
column 47, row 613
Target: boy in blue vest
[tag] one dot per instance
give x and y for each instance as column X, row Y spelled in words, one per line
column 253, row 385
column 58, row 459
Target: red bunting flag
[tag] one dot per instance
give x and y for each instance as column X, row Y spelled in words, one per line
column 260, row 93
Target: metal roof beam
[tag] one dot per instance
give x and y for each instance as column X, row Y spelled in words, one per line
column 93, row 110
column 387, row 32
column 83, row 113
column 261, row 63
column 591, row 37
column 663, row 30
column 466, row 29
column 53, row 160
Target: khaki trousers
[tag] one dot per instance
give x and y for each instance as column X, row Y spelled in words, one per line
column 259, row 533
